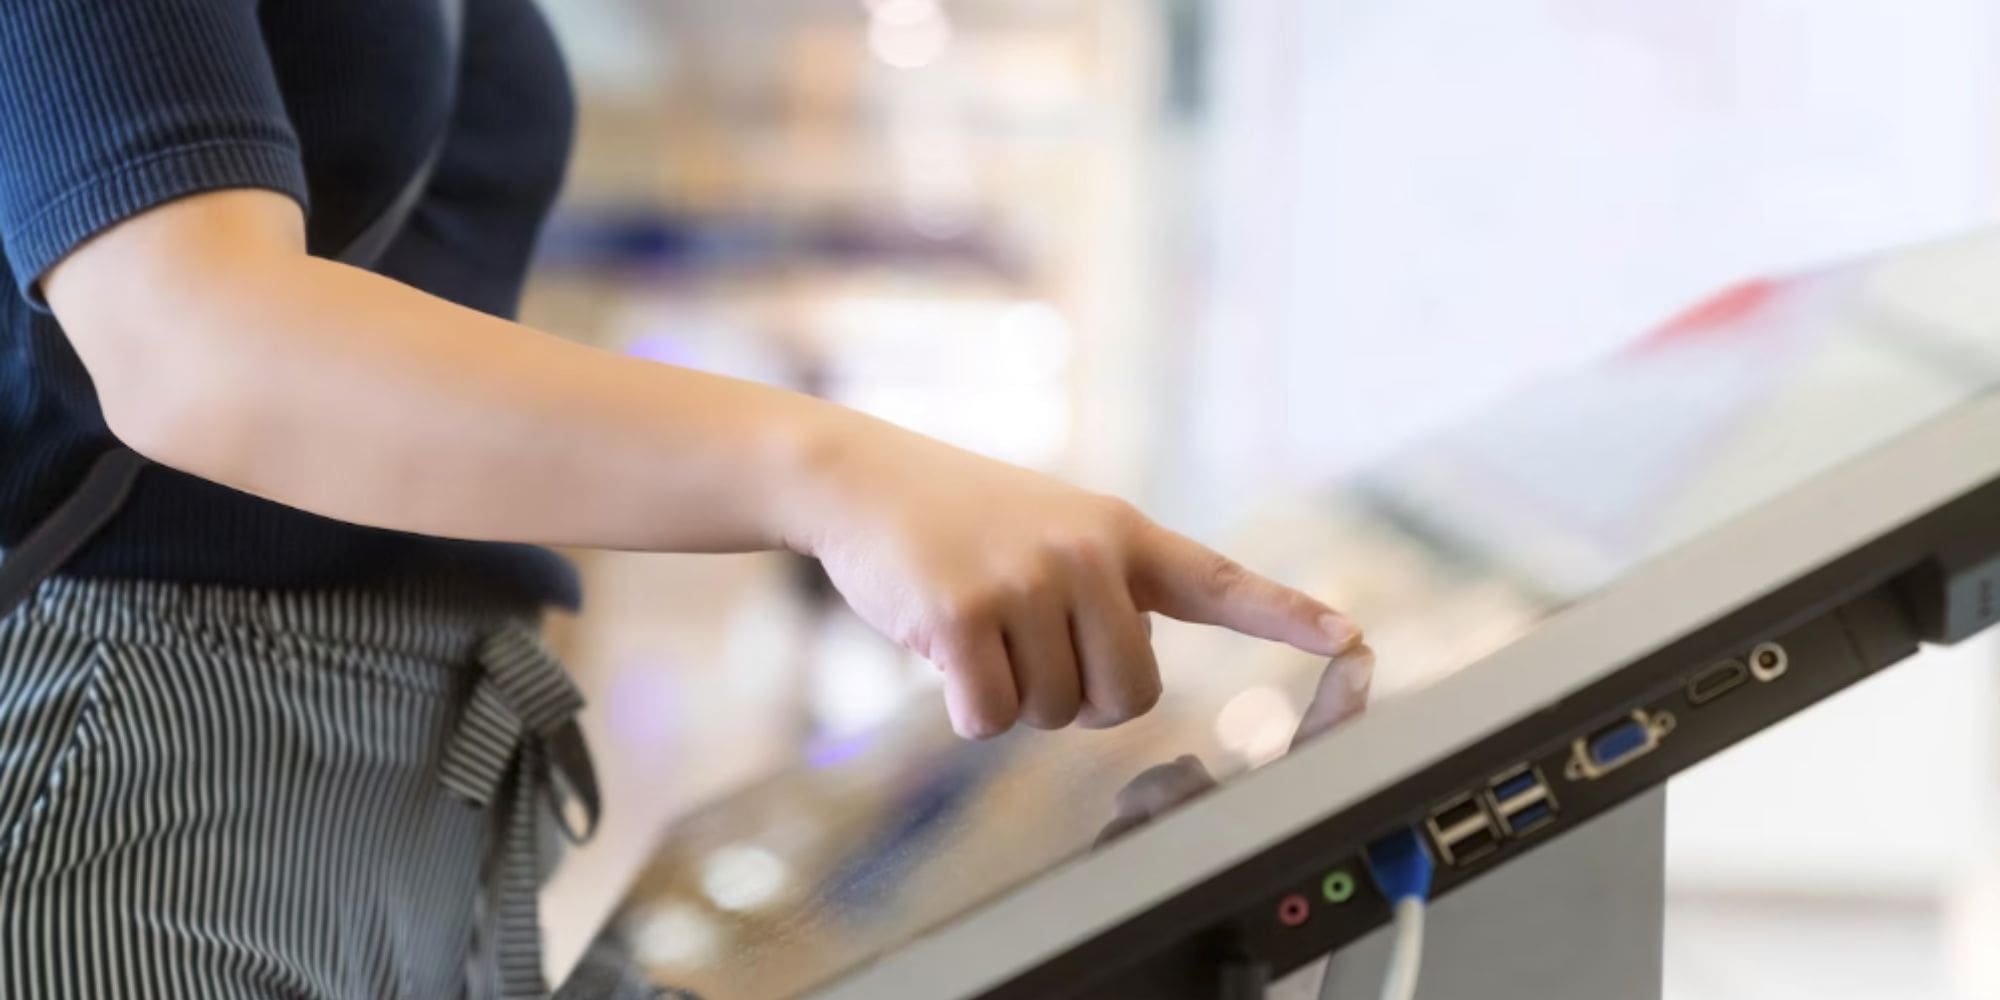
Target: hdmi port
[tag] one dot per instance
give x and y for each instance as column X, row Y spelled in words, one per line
column 1717, row 681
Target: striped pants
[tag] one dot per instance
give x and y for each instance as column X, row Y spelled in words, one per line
column 221, row 793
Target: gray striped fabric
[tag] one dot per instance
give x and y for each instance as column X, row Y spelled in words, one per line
column 225, row 793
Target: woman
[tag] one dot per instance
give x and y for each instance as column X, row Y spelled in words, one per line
column 240, row 732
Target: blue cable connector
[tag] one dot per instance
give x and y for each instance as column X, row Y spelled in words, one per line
column 1401, row 866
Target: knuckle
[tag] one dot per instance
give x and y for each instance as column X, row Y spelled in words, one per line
column 1222, row 575
column 1085, row 550
column 1032, row 580
column 925, row 633
column 967, row 611
column 1117, row 513
column 1294, row 601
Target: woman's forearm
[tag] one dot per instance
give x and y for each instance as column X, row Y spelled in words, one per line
column 353, row 396
column 349, row 395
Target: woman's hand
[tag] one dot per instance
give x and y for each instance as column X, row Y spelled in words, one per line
column 1029, row 594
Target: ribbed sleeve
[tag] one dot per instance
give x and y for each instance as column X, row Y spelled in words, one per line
column 111, row 107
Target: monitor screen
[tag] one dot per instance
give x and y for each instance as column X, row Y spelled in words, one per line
column 1445, row 553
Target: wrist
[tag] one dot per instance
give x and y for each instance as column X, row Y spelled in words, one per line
column 811, row 448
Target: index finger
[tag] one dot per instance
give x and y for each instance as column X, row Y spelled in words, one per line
column 1181, row 578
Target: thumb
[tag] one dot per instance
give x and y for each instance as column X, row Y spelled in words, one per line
column 1183, row 579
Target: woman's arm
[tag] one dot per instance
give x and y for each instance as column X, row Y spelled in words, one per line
column 219, row 347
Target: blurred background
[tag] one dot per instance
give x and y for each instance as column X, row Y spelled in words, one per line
column 1212, row 254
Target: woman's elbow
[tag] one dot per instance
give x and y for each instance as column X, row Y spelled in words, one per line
column 174, row 411
column 154, row 308
column 170, row 378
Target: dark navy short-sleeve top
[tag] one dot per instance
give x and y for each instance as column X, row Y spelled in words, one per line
column 111, row 107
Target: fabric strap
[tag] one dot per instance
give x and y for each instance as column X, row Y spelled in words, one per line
column 112, row 477
column 516, row 749
column 73, row 523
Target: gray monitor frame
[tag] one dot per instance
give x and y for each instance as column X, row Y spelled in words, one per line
column 1859, row 527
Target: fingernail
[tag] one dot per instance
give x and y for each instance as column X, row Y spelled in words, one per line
column 1361, row 673
column 1339, row 631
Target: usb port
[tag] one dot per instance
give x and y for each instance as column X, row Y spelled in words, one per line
column 1458, row 813
column 1529, row 818
column 1463, row 831
column 1521, row 800
column 1521, row 783
column 1512, row 786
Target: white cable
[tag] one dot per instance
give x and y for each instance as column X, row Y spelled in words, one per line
column 1408, row 953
